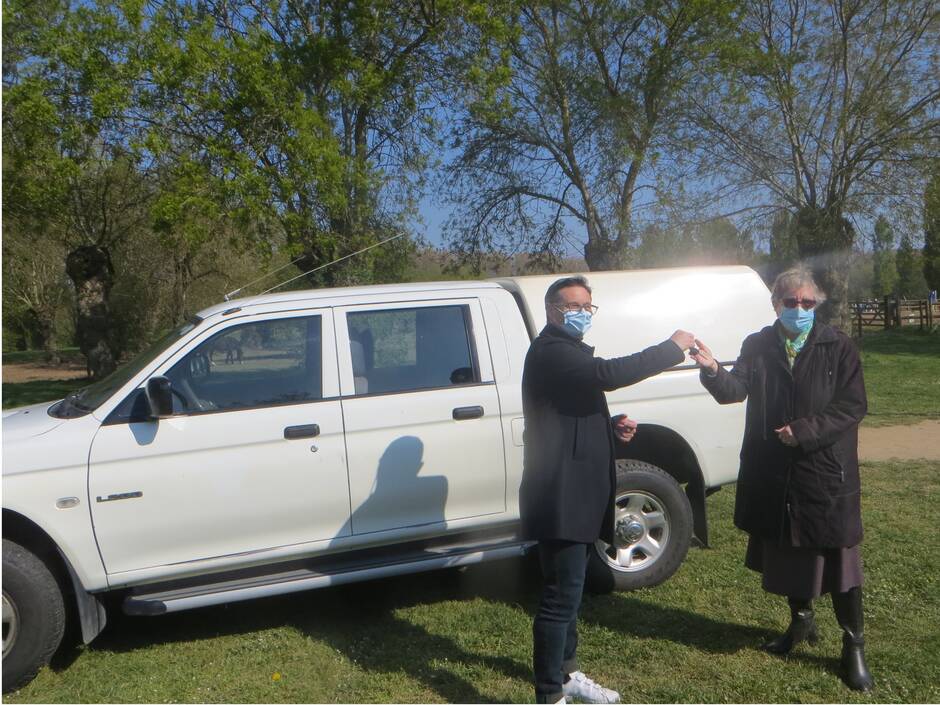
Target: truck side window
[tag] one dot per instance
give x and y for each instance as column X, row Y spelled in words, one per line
column 406, row 349
column 251, row 365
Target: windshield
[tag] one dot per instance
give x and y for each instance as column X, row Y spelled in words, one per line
column 87, row 399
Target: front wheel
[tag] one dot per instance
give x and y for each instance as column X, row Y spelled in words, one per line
column 652, row 531
column 33, row 615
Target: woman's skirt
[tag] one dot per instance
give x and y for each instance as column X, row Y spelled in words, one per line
column 803, row 572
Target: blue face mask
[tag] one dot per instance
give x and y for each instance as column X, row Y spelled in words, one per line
column 577, row 322
column 797, row 320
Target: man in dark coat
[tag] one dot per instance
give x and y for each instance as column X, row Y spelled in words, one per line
column 798, row 494
column 566, row 499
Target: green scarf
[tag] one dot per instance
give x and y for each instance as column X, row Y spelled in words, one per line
column 794, row 346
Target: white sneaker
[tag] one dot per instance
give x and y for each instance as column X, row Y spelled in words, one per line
column 583, row 689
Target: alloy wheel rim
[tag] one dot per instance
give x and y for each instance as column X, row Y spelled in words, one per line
column 641, row 533
column 11, row 623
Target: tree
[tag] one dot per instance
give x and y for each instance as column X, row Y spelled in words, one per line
column 721, row 242
column 784, row 249
column 829, row 109
column 884, row 265
column 68, row 173
column 911, row 284
column 861, row 276
column 34, row 287
column 305, row 123
column 276, row 126
column 662, row 247
column 570, row 121
column 931, row 220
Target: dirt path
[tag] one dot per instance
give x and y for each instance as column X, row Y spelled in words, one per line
column 920, row 440
column 28, row 372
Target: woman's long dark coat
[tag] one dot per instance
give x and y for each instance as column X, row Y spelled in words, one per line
column 808, row 495
column 569, row 476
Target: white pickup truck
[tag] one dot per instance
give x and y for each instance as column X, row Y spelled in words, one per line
column 311, row 438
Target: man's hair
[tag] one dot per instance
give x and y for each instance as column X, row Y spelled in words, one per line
column 552, row 297
column 794, row 278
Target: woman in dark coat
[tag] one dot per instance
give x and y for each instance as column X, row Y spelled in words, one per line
column 798, row 492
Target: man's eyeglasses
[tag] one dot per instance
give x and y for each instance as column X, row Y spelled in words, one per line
column 793, row 302
column 574, row 308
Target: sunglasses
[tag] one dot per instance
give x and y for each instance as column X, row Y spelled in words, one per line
column 792, row 302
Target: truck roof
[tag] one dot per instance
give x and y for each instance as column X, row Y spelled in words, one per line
column 313, row 295
column 531, row 287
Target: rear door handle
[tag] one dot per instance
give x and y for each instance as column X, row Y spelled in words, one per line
column 308, row 431
column 462, row 413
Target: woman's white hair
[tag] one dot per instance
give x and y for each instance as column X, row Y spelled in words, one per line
column 793, row 279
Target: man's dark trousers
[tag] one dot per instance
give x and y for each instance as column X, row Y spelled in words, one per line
column 554, row 631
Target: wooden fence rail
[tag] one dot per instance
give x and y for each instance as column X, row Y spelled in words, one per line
column 893, row 313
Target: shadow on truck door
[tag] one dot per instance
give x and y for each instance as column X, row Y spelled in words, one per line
column 399, row 484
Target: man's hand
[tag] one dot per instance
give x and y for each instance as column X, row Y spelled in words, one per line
column 785, row 434
column 683, row 339
column 624, row 428
column 703, row 357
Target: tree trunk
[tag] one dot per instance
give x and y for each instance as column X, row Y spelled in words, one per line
column 602, row 251
column 90, row 269
column 602, row 254
column 47, row 338
column 825, row 241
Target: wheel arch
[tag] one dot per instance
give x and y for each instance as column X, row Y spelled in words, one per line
column 666, row 449
column 28, row 534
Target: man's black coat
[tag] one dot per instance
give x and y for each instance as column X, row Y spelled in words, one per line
column 569, row 476
column 809, row 495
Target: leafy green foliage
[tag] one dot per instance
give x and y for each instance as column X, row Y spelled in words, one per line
column 911, row 283
column 931, row 219
column 885, row 272
column 710, row 243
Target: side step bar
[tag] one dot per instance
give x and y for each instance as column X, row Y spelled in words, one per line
column 176, row 600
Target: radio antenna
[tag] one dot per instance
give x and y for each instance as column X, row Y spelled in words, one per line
column 330, row 264
column 230, row 294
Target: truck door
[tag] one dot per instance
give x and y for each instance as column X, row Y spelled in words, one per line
column 252, row 459
column 421, row 410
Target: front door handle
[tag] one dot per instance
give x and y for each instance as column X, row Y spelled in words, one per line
column 462, row 413
column 307, row 431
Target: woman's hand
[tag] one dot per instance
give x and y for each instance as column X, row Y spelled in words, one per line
column 703, row 357
column 785, row 434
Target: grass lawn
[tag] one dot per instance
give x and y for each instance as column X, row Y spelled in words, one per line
column 26, row 393
column 902, row 376
column 465, row 637
column 40, row 356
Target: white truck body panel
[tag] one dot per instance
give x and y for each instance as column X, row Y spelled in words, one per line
column 39, row 470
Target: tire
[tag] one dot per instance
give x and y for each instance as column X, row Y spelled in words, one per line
column 652, row 529
column 33, row 615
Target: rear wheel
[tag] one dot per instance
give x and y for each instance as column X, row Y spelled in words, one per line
column 33, row 615
column 652, row 531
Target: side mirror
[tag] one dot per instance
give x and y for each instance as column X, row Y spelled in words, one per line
column 159, row 397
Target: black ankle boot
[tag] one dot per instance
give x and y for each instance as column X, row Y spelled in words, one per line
column 802, row 628
column 848, row 609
